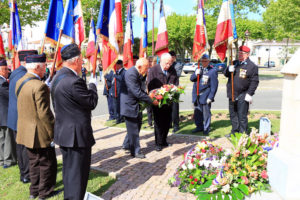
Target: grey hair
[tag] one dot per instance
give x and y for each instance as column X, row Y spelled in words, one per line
column 33, row 65
column 141, row 61
column 72, row 60
column 165, row 56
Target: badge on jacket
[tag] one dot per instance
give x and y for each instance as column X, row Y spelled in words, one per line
column 204, row 79
column 243, row 73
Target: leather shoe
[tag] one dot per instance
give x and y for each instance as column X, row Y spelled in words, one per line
column 158, row 148
column 196, row 130
column 52, row 194
column 167, row 145
column 140, row 155
column 25, row 180
column 175, row 129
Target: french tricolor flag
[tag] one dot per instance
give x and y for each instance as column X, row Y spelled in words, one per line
column 90, row 51
column 78, row 23
column 200, row 39
column 128, row 41
column 110, row 28
column 226, row 30
column 144, row 37
column 162, row 41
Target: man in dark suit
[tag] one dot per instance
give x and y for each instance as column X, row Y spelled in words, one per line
column 130, row 108
column 35, row 127
column 73, row 103
column 12, row 118
column 107, row 86
column 245, row 80
column 208, row 85
column 7, row 141
column 158, row 76
column 118, row 85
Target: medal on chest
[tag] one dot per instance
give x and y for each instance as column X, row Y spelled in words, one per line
column 243, row 73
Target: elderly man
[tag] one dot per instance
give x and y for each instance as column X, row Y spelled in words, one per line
column 158, row 76
column 7, row 140
column 73, row 103
column 130, row 99
column 245, row 82
column 12, row 118
column 35, row 127
column 207, row 88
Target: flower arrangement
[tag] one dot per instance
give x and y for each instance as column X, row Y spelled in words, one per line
column 167, row 94
column 237, row 174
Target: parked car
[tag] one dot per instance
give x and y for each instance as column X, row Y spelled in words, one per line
column 189, row 67
column 271, row 64
column 220, row 67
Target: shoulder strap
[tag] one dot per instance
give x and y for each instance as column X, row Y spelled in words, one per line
column 23, row 83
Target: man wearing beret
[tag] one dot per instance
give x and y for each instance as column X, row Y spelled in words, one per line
column 73, row 103
column 245, row 82
column 35, row 127
column 7, row 140
column 12, row 118
column 208, row 85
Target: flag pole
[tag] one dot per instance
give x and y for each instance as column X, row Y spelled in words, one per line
column 55, row 55
column 232, row 85
column 43, row 44
column 13, row 59
column 198, row 79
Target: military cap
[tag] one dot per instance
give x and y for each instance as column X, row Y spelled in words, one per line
column 41, row 58
column 172, row 53
column 119, row 62
column 244, row 49
column 24, row 53
column 205, row 56
column 3, row 62
column 135, row 57
column 70, row 51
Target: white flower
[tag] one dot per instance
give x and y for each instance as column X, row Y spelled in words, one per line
column 190, row 166
column 183, row 167
column 226, row 188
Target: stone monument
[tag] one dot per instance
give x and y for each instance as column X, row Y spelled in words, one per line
column 284, row 161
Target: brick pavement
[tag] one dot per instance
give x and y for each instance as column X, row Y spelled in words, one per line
column 140, row 179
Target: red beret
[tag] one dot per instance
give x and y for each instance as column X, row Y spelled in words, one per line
column 244, row 49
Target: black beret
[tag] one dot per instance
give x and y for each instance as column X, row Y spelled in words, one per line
column 3, row 62
column 135, row 57
column 41, row 58
column 70, row 51
column 22, row 54
column 119, row 62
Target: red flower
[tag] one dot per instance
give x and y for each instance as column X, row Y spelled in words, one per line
column 245, row 179
column 203, row 150
column 192, row 183
column 255, row 151
column 191, row 177
column 195, row 179
column 159, row 97
column 198, row 156
column 264, row 174
column 192, row 160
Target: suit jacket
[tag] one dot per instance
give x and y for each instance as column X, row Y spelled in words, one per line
column 73, row 103
column 121, row 85
column 134, row 93
column 208, row 85
column 12, row 116
column 108, row 82
column 35, row 118
column 156, row 78
column 3, row 101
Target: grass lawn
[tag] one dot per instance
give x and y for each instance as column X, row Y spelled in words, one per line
column 12, row 188
column 220, row 125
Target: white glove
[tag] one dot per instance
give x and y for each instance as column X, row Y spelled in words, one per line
column 208, row 101
column 248, row 98
column 93, row 79
column 197, row 71
column 48, row 81
column 231, row 68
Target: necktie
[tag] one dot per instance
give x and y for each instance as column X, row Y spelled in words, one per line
column 165, row 72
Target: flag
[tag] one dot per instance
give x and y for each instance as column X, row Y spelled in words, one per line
column 128, row 41
column 55, row 14
column 15, row 32
column 226, row 30
column 72, row 22
column 110, row 28
column 200, row 38
column 2, row 51
column 144, row 37
column 90, row 51
column 162, row 42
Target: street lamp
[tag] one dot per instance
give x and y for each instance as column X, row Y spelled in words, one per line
column 247, row 35
column 153, row 2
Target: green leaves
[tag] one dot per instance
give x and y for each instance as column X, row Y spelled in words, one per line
column 244, row 189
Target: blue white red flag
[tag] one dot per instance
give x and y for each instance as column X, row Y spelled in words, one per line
column 90, row 51
column 162, row 41
column 226, row 30
column 15, row 33
column 144, row 36
column 110, row 28
column 72, row 22
column 200, row 38
column 128, row 40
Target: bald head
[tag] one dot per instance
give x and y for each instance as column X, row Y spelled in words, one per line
column 142, row 66
column 166, row 61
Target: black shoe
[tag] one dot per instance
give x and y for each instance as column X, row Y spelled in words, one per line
column 52, row 194
column 175, row 129
column 197, row 130
column 158, row 148
column 33, row 197
column 167, row 145
column 139, row 155
column 25, row 180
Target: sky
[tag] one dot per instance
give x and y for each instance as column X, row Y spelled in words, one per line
column 182, row 7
